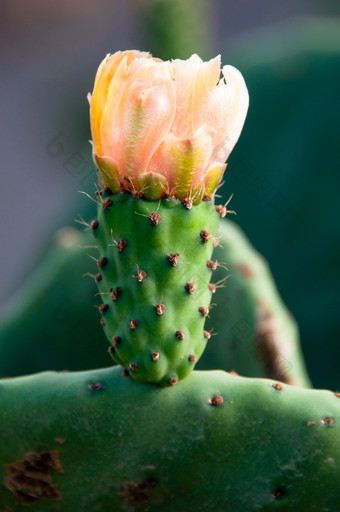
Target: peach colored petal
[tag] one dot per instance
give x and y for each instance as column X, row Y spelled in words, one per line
column 104, row 75
column 122, row 117
column 195, row 80
column 228, row 107
column 146, row 120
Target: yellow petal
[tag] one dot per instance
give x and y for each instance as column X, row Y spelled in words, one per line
column 184, row 161
column 108, row 169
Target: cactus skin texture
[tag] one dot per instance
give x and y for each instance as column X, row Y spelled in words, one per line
column 153, row 280
column 213, row 442
column 256, row 335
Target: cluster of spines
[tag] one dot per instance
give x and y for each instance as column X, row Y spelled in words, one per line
column 140, row 275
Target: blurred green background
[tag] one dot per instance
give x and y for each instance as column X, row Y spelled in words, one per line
column 284, row 171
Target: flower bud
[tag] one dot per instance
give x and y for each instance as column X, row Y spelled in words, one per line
column 165, row 129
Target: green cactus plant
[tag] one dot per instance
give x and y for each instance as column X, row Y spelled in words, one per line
column 154, row 271
column 100, row 441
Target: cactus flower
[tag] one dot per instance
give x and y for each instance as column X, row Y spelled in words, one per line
column 165, row 129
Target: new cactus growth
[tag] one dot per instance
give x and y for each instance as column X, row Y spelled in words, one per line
column 153, row 277
column 161, row 133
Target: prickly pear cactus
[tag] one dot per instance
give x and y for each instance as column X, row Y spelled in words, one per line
column 160, row 158
column 154, row 269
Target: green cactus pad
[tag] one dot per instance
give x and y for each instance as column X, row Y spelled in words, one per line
column 98, row 441
column 153, row 277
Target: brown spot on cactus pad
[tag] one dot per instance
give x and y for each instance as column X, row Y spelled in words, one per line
column 278, row 493
column 327, row 421
column 95, row 386
column 136, row 493
column 30, row 479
